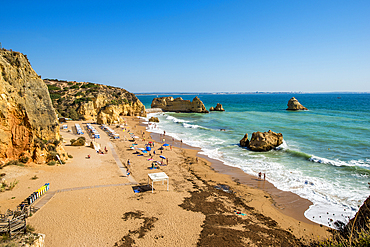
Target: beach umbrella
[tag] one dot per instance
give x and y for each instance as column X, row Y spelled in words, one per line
column 165, row 145
column 144, row 151
column 148, row 149
column 162, row 157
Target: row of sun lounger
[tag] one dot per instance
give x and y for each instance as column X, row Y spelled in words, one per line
column 78, row 129
column 95, row 134
column 111, row 132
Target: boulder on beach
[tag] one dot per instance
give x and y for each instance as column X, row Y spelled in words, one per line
column 262, row 142
column 294, row 105
column 217, row 108
column 154, row 119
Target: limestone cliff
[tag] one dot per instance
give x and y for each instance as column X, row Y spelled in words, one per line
column 179, row 105
column 89, row 101
column 28, row 123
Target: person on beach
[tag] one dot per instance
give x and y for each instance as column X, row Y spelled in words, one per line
column 105, row 149
column 154, row 152
column 167, row 161
column 128, row 162
column 171, row 147
column 264, row 176
column 259, row 175
column 128, row 172
column 197, row 159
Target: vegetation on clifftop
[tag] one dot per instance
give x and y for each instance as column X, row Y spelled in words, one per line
column 67, row 96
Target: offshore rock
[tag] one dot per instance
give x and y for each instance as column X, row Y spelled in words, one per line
column 154, row 120
column 244, row 142
column 28, row 122
column 217, row 108
column 179, row 105
column 262, row 142
column 294, row 105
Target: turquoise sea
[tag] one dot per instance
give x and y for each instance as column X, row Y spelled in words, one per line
column 325, row 156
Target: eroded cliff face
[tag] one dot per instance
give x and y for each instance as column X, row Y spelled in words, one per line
column 179, row 105
column 28, row 123
column 93, row 102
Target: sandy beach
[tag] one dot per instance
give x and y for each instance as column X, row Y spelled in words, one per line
column 94, row 203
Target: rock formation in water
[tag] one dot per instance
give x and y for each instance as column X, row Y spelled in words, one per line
column 217, row 108
column 262, row 142
column 179, row 105
column 244, row 142
column 29, row 128
column 294, row 105
column 89, row 101
column 154, row 120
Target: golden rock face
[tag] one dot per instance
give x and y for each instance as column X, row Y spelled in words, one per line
column 28, row 122
column 179, row 105
column 93, row 102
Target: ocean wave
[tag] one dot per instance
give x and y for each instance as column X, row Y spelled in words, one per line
column 176, row 120
column 194, row 126
column 298, row 154
column 360, row 167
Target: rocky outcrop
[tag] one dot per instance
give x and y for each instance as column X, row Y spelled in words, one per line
column 244, row 142
column 28, row 123
column 112, row 114
column 217, row 108
column 179, row 105
column 360, row 222
column 262, row 142
column 294, row 105
column 94, row 102
column 154, row 120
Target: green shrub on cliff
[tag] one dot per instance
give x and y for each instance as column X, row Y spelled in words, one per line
column 55, row 96
column 53, row 87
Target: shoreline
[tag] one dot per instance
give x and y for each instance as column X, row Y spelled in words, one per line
column 287, row 202
column 191, row 213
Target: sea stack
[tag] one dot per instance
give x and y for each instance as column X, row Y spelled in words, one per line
column 262, row 142
column 170, row 104
column 294, row 105
column 217, row 108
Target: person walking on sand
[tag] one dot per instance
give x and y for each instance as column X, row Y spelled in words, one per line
column 167, row 161
column 128, row 162
column 264, row 176
column 259, row 175
column 128, row 172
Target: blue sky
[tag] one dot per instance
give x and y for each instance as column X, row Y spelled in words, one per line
column 196, row 46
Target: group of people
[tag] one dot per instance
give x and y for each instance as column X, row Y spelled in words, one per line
column 260, row 175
